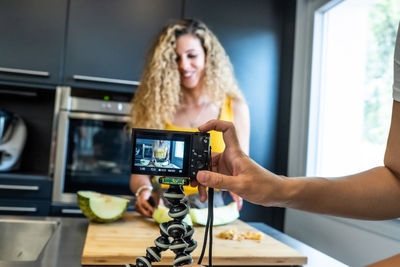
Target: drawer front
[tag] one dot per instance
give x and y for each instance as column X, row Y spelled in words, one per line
column 25, row 188
column 61, row 210
column 24, row 207
column 65, row 210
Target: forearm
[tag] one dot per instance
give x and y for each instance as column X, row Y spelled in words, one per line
column 137, row 181
column 374, row 194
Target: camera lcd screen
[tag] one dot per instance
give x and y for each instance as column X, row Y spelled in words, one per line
column 160, row 153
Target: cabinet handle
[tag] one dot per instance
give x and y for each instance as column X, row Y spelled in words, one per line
column 25, row 72
column 22, row 209
column 104, row 80
column 71, row 211
column 19, row 187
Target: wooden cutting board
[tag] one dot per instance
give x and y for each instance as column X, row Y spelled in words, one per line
column 120, row 242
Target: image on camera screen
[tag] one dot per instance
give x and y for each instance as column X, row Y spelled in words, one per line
column 159, row 155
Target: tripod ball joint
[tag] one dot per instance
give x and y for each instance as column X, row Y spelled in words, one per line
column 153, row 253
column 143, row 262
column 192, row 244
column 183, row 259
column 178, row 211
column 174, row 195
column 178, row 246
column 162, row 242
column 176, row 229
column 163, row 229
column 189, row 231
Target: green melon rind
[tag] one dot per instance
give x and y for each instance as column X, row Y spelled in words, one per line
column 222, row 215
column 93, row 205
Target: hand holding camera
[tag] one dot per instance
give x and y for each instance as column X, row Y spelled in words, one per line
column 235, row 171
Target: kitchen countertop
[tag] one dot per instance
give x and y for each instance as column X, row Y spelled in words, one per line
column 64, row 249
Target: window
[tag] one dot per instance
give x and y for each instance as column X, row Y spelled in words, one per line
column 179, row 149
column 351, row 89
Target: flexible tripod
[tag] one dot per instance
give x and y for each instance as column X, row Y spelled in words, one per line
column 181, row 233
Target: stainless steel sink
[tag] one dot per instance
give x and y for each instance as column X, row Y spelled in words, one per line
column 24, row 239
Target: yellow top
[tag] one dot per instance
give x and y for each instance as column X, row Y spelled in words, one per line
column 161, row 153
column 160, row 150
column 216, row 139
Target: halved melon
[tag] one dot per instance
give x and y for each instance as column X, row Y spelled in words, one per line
column 101, row 207
column 222, row 215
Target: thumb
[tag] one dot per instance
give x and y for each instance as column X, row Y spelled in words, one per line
column 213, row 179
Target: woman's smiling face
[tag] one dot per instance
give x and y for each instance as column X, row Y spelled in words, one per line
column 191, row 61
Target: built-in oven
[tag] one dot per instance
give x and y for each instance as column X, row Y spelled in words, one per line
column 92, row 146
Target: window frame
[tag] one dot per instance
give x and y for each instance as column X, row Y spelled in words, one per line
column 307, row 55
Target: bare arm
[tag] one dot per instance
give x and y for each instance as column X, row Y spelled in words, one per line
column 373, row 194
column 137, row 181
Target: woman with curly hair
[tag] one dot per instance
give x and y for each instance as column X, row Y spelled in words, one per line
column 188, row 80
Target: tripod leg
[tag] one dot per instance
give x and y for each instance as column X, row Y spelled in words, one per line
column 153, row 254
column 177, row 228
column 181, row 233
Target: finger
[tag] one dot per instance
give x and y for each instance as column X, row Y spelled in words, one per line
column 156, row 201
column 148, row 213
column 240, row 204
column 214, row 154
column 139, row 208
column 194, row 183
column 148, row 207
column 213, row 179
column 238, row 200
column 214, row 161
column 203, row 193
column 226, row 127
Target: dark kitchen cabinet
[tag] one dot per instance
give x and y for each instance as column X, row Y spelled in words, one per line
column 25, row 194
column 24, row 207
column 32, row 40
column 107, row 40
column 26, row 190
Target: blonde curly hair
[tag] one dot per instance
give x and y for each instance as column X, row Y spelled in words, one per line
column 160, row 93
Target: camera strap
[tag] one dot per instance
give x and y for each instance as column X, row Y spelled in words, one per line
column 209, row 224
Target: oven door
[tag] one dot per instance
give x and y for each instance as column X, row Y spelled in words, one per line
column 93, row 152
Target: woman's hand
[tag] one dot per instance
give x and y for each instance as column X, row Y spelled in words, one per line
column 238, row 200
column 143, row 202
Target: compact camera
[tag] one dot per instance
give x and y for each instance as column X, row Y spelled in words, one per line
column 172, row 154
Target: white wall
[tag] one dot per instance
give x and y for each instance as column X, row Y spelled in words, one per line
column 353, row 242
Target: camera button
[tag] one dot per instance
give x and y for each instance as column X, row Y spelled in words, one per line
column 199, row 164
